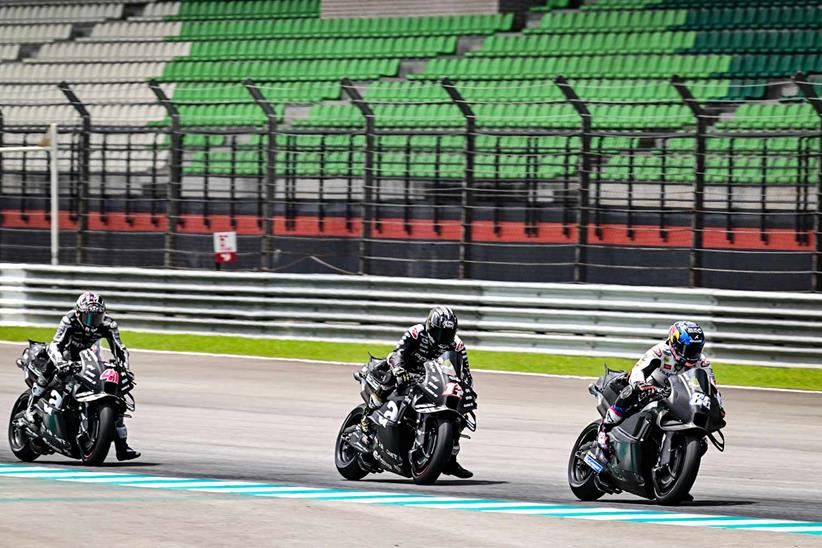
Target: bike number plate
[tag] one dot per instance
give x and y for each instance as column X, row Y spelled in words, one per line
column 700, row 400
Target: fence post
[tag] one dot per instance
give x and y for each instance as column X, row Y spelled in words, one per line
column 176, row 171
column 698, row 216
column 816, row 102
column 467, row 191
column 2, row 132
column 269, row 211
column 84, row 172
column 368, row 174
column 583, row 195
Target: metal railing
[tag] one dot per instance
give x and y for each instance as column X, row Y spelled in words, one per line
column 771, row 328
column 527, row 195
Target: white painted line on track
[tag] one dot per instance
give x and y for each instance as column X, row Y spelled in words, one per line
column 548, row 510
column 488, row 371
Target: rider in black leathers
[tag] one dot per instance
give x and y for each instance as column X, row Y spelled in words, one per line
column 420, row 343
column 79, row 330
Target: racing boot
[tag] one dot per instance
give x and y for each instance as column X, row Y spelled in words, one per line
column 453, row 468
column 361, row 438
column 124, row 452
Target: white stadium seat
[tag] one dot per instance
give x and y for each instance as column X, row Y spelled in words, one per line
column 125, row 31
column 34, row 34
column 78, row 72
column 113, row 51
column 9, row 51
column 162, row 9
column 92, row 94
column 58, row 13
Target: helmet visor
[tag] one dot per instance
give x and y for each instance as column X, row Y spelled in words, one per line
column 443, row 335
column 92, row 318
column 692, row 352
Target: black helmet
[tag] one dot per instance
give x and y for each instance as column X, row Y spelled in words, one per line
column 90, row 310
column 441, row 325
column 686, row 341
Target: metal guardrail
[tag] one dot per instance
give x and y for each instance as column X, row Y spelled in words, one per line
column 592, row 320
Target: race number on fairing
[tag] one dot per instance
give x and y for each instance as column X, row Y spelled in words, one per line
column 700, row 400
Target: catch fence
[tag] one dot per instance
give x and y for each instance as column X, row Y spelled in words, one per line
column 679, row 183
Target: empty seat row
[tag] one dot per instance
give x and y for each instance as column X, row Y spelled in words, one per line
column 616, row 66
column 683, row 4
column 34, row 34
column 101, row 115
column 113, row 51
column 247, row 8
column 78, row 72
column 233, row 114
column 547, row 115
column 544, row 90
column 753, row 66
column 358, row 69
column 809, row 16
column 610, row 21
column 33, row 94
column 279, row 92
column 128, row 30
column 747, row 41
column 428, row 46
column 586, row 44
column 391, row 26
column 58, row 13
column 509, row 144
column 771, row 116
column 387, row 165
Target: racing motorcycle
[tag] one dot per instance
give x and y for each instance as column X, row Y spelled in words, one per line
column 656, row 452
column 416, row 430
column 75, row 416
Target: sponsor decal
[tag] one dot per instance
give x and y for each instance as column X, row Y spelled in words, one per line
column 414, row 332
column 592, row 462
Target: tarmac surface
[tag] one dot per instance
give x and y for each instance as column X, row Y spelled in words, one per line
column 275, row 421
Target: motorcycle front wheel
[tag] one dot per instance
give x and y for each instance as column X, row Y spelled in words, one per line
column 672, row 485
column 428, row 461
column 581, row 477
column 100, row 431
column 346, row 458
column 19, row 442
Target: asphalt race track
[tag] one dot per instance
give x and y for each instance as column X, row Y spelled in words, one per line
column 274, row 422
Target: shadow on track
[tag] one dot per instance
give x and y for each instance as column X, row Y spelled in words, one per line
column 128, row 464
column 690, row 504
column 444, row 483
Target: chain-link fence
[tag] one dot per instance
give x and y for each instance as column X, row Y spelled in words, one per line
column 689, row 183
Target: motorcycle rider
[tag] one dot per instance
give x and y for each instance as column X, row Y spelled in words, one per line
column 649, row 378
column 420, row 343
column 79, row 330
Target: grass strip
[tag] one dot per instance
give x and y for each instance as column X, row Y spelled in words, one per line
column 742, row 375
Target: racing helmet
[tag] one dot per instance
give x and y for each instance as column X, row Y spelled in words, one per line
column 90, row 310
column 686, row 341
column 441, row 325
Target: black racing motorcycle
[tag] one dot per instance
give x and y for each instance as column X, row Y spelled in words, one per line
column 76, row 415
column 656, row 452
column 418, row 427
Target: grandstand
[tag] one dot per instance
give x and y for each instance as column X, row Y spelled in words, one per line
column 522, row 149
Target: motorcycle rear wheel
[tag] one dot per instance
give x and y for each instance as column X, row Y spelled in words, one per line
column 101, row 434
column 346, row 458
column 19, row 443
column 672, row 488
column 581, row 477
column 440, row 444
